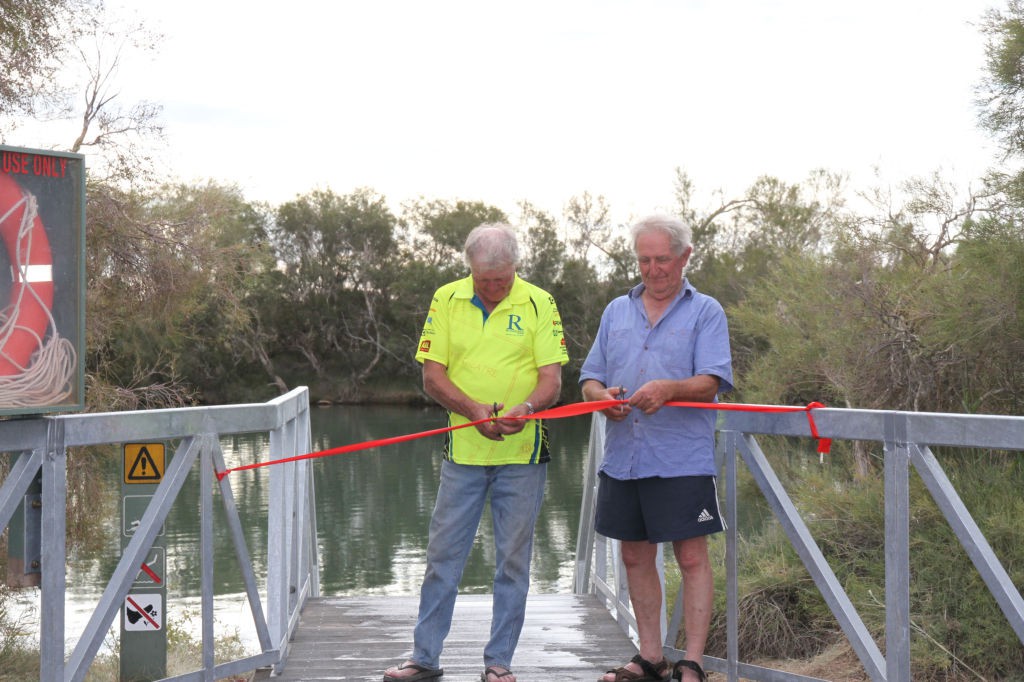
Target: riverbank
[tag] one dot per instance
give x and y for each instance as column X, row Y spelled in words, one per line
column 406, row 393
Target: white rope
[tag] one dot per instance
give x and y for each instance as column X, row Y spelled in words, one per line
column 47, row 380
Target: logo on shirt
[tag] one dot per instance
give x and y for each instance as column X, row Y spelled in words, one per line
column 513, row 325
column 425, row 346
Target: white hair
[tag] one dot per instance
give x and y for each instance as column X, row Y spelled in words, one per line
column 492, row 245
column 680, row 234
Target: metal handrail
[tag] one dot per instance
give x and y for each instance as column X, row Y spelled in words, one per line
column 907, row 438
column 292, row 564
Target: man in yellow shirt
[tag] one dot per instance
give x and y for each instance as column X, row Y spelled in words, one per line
column 491, row 347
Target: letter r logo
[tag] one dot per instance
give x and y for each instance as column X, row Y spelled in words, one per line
column 513, row 322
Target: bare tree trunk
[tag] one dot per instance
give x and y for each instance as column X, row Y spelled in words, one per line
column 861, row 460
column 255, row 346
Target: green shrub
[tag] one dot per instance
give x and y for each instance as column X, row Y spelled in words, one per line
column 958, row 630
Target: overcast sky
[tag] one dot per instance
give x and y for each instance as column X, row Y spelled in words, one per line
column 541, row 100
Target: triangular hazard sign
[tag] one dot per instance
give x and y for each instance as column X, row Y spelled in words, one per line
column 144, row 468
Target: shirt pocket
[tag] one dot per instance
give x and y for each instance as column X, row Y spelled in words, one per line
column 620, row 348
column 679, row 343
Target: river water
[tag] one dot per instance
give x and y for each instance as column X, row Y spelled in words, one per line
column 373, row 510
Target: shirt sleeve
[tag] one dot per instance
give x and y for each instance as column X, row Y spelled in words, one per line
column 549, row 343
column 712, row 353
column 434, row 337
column 596, row 365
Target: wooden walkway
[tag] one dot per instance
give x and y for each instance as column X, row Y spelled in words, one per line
column 567, row 638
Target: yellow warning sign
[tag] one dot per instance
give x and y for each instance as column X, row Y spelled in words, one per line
column 143, row 462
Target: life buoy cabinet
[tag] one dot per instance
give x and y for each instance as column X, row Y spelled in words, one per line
column 27, row 315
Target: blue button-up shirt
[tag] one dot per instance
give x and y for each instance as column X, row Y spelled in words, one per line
column 690, row 338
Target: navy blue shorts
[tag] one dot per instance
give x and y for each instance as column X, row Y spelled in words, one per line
column 658, row 509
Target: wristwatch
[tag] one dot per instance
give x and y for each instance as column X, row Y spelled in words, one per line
column 529, row 407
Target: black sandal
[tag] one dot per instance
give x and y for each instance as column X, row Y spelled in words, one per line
column 677, row 670
column 652, row 672
column 422, row 673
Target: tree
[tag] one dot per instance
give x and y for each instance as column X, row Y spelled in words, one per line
column 924, row 221
column 167, row 273
column 582, row 285
column 543, row 252
column 119, row 134
column 223, row 254
column 709, row 239
column 915, row 307
column 45, row 46
column 34, row 39
column 589, row 225
column 1001, row 91
column 984, row 331
column 339, row 255
column 436, row 230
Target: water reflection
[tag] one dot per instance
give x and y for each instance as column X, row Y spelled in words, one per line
column 373, row 510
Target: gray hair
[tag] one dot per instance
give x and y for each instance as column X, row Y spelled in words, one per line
column 491, row 246
column 680, row 234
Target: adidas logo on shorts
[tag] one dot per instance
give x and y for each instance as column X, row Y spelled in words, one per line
column 705, row 516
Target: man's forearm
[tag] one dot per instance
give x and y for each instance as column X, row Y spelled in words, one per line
column 439, row 387
column 696, row 389
column 548, row 388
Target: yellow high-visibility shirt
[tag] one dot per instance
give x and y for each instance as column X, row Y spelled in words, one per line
column 494, row 360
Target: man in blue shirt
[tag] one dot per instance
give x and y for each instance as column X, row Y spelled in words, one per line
column 662, row 342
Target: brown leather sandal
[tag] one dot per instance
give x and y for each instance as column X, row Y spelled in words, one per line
column 677, row 670
column 652, row 672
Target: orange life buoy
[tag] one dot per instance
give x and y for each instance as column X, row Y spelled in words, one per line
column 28, row 310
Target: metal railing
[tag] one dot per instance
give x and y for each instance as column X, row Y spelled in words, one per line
column 907, row 438
column 40, row 447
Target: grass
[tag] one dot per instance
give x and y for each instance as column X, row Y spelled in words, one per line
column 19, row 656
column 958, row 631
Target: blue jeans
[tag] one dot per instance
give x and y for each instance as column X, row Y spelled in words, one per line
column 517, row 491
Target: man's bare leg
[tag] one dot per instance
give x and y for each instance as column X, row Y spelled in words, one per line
column 698, row 598
column 645, row 595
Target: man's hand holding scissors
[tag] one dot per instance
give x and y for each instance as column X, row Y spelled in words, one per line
column 594, row 390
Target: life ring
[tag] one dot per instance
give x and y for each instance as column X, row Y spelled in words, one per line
column 31, row 279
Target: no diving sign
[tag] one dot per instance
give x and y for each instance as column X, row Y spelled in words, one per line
column 143, row 611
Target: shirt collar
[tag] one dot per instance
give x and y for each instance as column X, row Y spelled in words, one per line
column 687, row 290
column 518, row 294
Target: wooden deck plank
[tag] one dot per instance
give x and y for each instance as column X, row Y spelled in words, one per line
column 565, row 637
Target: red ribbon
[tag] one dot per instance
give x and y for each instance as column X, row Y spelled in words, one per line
column 570, row 410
